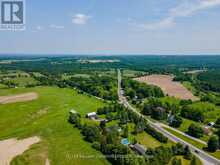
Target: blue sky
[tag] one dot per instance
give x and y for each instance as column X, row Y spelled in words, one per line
column 117, row 27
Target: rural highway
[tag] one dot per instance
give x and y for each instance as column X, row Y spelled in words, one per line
column 204, row 157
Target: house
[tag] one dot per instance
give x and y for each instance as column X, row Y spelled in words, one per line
column 92, row 116
column 138, row 148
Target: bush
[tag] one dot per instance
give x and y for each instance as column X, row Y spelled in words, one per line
column 91, row 133
column 176, row 122
column 195, row 131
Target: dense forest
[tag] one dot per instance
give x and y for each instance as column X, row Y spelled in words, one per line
column 210, row 80
column 58, row 65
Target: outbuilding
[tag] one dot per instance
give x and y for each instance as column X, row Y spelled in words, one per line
column 138, row 148
column 92, row 116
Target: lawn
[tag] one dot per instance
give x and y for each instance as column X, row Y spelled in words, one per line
column 149, row 142
column 62, row 143
column 2, row 86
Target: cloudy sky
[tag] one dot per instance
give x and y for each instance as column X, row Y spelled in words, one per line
column 117, row 27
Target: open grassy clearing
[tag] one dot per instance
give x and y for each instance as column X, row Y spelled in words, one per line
column 193, row 142
column 2, row 86
column 60, row 141
column 13, row 73
column 190, row 87
column 20, row 78
column 210, row 110
column 169, row 87
column 23, row 81
column 132, row 73
column 149, row 142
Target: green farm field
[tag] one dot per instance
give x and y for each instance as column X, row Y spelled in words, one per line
column 47, row 118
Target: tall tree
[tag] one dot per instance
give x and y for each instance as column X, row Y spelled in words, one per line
column 213, row 143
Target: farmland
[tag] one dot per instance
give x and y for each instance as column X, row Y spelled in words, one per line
column 59, row 85
column 59, row 140
column 166, row 83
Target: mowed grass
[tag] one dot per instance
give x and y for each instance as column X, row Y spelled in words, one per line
column 2, row 86
column 149, row 142
column 47, row 118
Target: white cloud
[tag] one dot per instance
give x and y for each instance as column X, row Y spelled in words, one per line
column 188, row 8
column 80, row 19
column 56, row 26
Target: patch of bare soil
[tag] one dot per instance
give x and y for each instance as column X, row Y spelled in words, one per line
column 18, row 98
column 169, row 87
column 11, row 148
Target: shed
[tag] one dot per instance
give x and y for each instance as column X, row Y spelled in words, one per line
column 92, row 115
column 138, row 148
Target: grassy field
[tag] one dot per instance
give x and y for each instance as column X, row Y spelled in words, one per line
column 132, row 73
column 23, row 81
column 149, row 142
column 2, row 86
column 193, row 142
column 210, row 110
column 47, row 118
column 190, row 87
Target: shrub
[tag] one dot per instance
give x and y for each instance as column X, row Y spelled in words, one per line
column 195, row 131
column 91, row 133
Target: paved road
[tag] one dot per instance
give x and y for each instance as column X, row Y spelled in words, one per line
column 205, row 158
column 180, row 132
